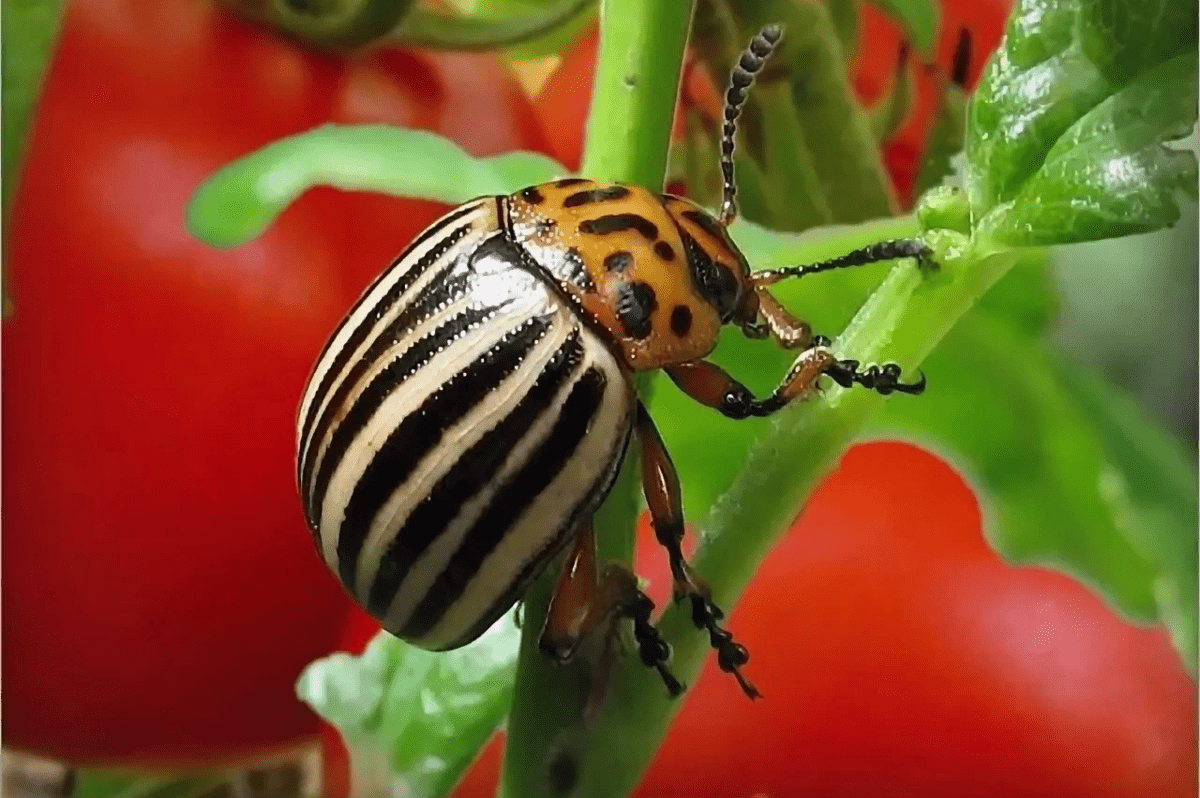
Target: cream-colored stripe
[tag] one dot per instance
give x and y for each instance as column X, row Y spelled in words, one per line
column 483, row 221
column 541, row 521
column 435, row 559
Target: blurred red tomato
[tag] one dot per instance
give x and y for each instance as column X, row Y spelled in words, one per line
column 899, row 656
column 160, row 594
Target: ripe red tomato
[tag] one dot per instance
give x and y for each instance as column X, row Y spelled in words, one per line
column 160, row 594
column 900, row 656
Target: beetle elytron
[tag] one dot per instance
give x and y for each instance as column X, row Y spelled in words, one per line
column 471, row 412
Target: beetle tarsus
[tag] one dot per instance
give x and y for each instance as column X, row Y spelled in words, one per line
column 652, row 648
column 883, row 379
column 731, row 655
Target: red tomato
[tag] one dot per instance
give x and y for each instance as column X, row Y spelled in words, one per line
column 899, row 656
column 160, row 591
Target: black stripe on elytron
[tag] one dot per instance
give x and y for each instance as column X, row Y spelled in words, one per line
column 544, row 464
column 422, row 430
column 613, row 223
column 593, row 195
column 435, row 294
column 573, row 526
column 377, row 390
column 567, row 182
column 474, row 468
column 385, row 302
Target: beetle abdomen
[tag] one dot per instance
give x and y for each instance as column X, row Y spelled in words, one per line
column 460, row 426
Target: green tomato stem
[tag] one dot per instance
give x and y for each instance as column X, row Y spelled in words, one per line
column 628, row 134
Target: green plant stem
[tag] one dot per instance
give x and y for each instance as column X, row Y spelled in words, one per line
column 637, row 81
column 628, row 135
column 904, row 319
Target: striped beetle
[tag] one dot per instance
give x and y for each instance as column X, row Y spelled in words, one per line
column 471, row 412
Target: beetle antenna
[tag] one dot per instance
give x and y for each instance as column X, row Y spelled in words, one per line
column 740, row 81
column 873, row 253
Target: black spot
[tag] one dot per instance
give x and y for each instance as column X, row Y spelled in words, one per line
column 567, row 182
column 635, row 303
column 681, row 320
column 663, row 250
column 544, row 226
column 532, row 195
column 563, row 773
column 618, row 261
column 706, row 223
column 613, row 223
column 595, row 195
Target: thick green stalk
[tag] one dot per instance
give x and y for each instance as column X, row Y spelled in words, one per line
column 628, row 135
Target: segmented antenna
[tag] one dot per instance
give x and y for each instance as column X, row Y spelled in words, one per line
column 740, row 81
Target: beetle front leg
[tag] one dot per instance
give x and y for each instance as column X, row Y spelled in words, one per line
column 711, row 385
column 661, row 486
column 587, row 601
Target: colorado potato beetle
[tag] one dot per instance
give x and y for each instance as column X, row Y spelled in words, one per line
column 472, row 410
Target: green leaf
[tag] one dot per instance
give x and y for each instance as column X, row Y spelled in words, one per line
column 1109, row 174
column 555, row 41
column 918, row 18
column 1152, row 487
column 1067, row 129
column 421, row 716
column 243, row 198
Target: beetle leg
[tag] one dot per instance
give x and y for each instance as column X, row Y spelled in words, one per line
column 587, row 600
column 661, row 486
column 711, row 385
column 789, row 331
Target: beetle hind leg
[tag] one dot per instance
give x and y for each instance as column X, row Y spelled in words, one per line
column 661, row 486
column 589, row 601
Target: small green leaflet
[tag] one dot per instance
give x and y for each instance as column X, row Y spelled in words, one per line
column 241, row 200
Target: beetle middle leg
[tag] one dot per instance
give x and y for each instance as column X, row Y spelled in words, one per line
column 660, row 483
column 588, row 600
